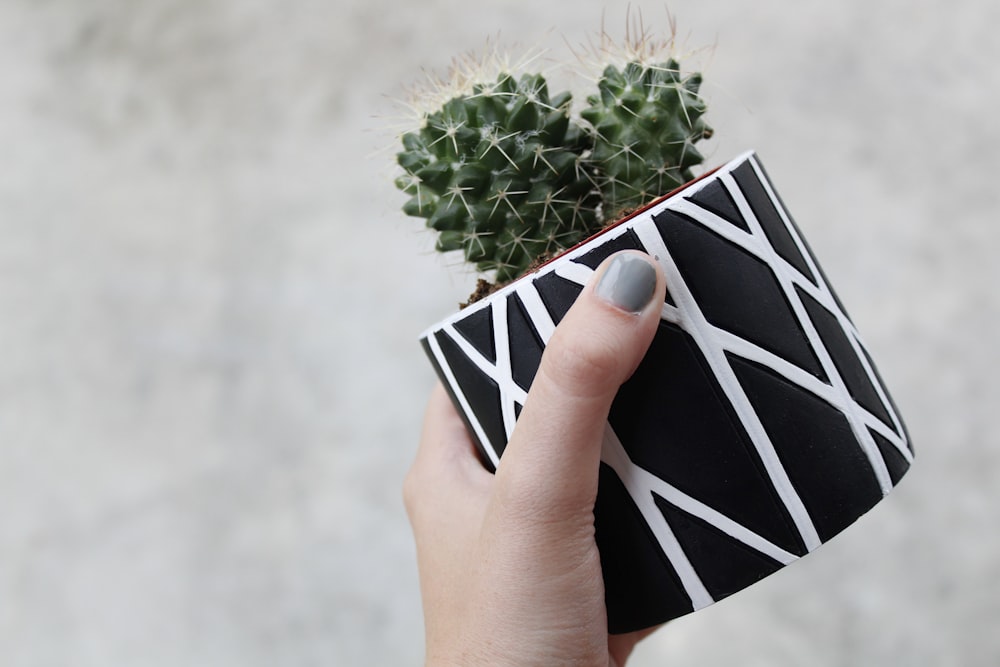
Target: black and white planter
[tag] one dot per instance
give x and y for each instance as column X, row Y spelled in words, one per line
column 755, row 429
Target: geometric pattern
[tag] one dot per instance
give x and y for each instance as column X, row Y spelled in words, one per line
column 755, row 429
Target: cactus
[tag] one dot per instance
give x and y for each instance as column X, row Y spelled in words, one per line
column 507, row 175
column 499, row 173
column 644, row 122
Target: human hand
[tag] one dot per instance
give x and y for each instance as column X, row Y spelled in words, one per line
column 509, row 569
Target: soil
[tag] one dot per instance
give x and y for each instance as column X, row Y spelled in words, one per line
column 483, row 289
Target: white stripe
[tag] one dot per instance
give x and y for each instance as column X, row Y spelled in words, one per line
column 671, row 314
column 574, row 272
column 886, row 403
column 804, row 379
column 642, row 482
column 700, row 330
column 504, row 382
column 824, row 297
column 502, row 343
column 466, row 409
column 750, row 244
column 537, row 313
column 717, row 224
column 831, row 304
column 614, row 455
column 880, row 427
column 799, row 243
column 781, row 272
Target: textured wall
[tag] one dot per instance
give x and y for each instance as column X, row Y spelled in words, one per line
column 210, row 385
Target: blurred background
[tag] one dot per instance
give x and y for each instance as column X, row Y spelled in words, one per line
column 210, row 381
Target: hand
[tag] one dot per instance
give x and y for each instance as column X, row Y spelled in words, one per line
column 509, row 570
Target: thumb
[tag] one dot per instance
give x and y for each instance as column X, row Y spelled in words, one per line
column 549, row 469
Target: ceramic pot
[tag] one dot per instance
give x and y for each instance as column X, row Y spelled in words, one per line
column 755, row 429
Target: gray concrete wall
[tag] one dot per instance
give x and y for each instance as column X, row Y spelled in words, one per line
column 210, row 385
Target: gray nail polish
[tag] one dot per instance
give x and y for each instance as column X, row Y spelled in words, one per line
column 628, row 283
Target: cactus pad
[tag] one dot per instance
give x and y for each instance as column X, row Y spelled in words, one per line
column 499, row 172
column 645, row 122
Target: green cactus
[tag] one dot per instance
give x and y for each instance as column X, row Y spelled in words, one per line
column 499, row 173
column 645, row 122
column 507, row 176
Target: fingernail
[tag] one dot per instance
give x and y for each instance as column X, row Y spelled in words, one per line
column 628, row 283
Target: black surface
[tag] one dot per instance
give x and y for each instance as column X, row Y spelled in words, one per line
column 805, row 242
column 769, row 218
column 676, row 422
column 627, row 241
column 479, row 389
column 477, row 328
column 558, row 294
column 483, row 458
column 724, row 565
column 715, row 198
column 816, row 446
column 641, row 587
column 736, row 291
column 525, row 345
column 894, row 461
column 892, row 404
column 844, row 358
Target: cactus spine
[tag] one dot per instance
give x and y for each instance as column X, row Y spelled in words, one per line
column 505, row 174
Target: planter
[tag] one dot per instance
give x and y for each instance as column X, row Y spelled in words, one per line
column 755, row 429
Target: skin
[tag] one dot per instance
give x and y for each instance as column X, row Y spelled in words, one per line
column 509, row 570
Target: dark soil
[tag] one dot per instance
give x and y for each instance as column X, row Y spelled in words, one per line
column 483, row 289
